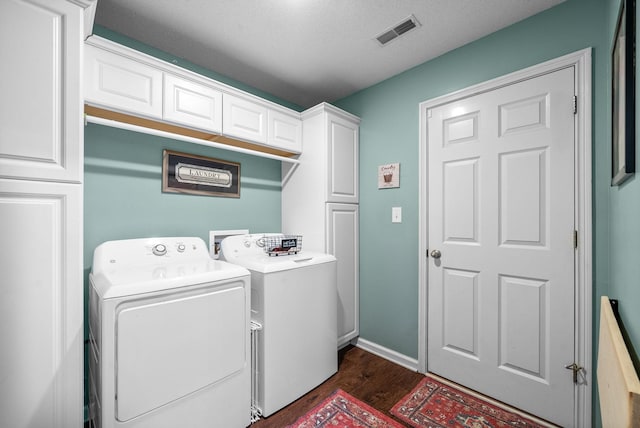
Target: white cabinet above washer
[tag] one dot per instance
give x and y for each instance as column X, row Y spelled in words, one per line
column 342, row 141
column 137, row 87
column 284, row 131
column 189, row 103
column 120, row 83
column 244, row 119
column 249, row 120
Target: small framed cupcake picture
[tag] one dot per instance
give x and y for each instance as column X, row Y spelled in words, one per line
column 389, row 176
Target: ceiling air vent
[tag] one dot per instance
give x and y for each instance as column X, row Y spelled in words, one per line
column 408, row 24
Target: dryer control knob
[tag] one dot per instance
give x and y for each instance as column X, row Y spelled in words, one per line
column 159, row 249
column 181, row 248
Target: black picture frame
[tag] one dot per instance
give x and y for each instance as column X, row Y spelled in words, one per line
column 623, row 95
column 199, row 175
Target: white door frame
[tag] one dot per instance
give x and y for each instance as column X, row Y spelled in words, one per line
column 581, row 60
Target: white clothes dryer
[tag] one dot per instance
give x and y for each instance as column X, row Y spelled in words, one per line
column 294, row 301
column 169, row 333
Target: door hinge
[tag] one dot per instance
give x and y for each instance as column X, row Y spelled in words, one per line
column 575, row 104
column 575, row 239
column 576, row 369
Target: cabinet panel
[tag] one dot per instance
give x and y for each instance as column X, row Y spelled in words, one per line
column 342, row 242
column 343, row 161
column 41, row 304
column 244, row 119
column 122, row 83
column 41, row 103
column 285, row 132
column 191, row 104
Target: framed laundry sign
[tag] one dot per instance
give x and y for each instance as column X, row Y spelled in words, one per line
column 199, row 175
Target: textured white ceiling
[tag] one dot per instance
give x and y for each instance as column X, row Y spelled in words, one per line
column 308, row 51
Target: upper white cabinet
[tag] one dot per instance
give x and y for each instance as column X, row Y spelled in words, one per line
column 121, row 83
column 189, row 103
column 41, row 104
column 244, row 119
column 284, row 131
column 342, row 136
column 123, row 80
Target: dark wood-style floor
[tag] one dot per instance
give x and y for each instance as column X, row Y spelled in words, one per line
column 371, row 379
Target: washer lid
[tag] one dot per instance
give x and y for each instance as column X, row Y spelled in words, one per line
column 262, row 262
column 249, row 251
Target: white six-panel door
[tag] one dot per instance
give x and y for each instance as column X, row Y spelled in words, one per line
column 501, row 214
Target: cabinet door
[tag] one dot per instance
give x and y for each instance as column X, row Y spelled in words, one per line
column 244, row 119
column 41, row 325
column 41, row 103
column 285, row 132
column 342, row 176
column 189, row 103
column 342, row 242
column 122, row 84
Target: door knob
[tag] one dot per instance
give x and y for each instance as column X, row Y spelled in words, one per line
column 436, row 254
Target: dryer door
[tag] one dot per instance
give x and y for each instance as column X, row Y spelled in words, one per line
column 171, row 346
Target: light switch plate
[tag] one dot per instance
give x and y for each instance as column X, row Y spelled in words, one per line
column 396, row 214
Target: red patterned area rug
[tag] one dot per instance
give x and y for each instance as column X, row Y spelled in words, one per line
column 344, row 411
column 434, row 404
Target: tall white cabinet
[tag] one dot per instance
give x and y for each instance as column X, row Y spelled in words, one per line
column 320, row 201
column 41, row 158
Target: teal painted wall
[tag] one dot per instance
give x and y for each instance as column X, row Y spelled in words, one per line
column 123, row 197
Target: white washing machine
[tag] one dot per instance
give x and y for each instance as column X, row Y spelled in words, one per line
column 169, row 336
column 294, row 300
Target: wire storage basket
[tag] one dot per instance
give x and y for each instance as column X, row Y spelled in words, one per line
column 282, row 245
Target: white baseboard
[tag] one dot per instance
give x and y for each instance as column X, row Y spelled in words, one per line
column 388, row 354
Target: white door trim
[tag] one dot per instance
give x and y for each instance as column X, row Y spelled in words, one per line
column 581, row 60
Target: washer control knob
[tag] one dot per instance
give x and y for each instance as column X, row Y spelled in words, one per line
column 181, row 248
column 159, row 249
